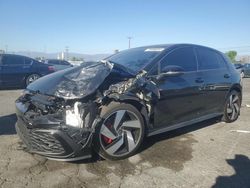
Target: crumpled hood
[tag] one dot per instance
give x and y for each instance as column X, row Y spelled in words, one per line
column 73, row 83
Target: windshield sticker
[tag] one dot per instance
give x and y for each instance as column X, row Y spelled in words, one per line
column 154, row 49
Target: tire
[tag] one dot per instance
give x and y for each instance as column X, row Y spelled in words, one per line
column 31, row 78
column 120, row 132
column 232, row 107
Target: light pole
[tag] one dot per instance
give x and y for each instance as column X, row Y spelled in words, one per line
column 129, row 39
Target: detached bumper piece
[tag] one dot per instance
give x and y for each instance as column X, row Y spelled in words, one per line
column 51, row 138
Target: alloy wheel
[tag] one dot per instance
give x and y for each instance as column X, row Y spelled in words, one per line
column 233, row 107
column 32, row 78
column 120, row 133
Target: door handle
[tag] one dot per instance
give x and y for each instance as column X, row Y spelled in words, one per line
column 199, row 80
column 226, row 76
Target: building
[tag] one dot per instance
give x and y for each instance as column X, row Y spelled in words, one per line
column 244, row 58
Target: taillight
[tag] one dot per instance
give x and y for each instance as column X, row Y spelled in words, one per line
column 51, row 68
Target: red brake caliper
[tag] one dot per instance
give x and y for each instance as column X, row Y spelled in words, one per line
column 107, row 140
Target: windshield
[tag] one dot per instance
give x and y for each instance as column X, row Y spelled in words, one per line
column 136, row 58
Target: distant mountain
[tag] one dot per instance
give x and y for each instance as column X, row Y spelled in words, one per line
column 86, row 57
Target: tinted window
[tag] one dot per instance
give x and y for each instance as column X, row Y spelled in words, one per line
column 28, row 61
column 221, row 60
column 183, row 57
column 209, row 59
column 13, row 60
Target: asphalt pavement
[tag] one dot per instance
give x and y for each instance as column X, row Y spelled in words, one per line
column 207, row 154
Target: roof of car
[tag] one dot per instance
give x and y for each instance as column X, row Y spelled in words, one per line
column 176, row 45
column 17, row 55
column 13, row 55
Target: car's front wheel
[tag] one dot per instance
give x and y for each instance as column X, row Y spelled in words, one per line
column 232, row 107
column 120, row 133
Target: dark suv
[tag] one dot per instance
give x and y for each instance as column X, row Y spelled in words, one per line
column 109, row 106
column 20, row 71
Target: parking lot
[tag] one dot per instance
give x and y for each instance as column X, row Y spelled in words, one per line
column 208, row 154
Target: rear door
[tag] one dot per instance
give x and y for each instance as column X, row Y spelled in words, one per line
column 181, row 98
column 217, row 79
column 13, row 70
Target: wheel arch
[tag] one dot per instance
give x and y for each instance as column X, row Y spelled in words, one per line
column 137, row 103
column 238, row 88
column 27, row 75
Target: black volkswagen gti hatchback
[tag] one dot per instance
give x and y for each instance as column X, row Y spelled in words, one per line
column 111, row 105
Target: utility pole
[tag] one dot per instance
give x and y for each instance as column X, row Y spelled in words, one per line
column 129, row 39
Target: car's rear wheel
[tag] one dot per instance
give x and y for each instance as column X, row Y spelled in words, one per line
column 31, row 78
column 232, row 107
column 120, row 133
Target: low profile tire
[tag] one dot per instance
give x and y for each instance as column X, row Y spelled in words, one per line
column 232, row 107
column 120, row 133
column 31, row 78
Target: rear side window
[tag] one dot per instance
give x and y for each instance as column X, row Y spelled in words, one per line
column 183, row 57
column 28, row 61
column 209, row 59
column 13, row 60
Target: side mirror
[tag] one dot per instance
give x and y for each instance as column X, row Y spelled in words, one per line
column 170, row 71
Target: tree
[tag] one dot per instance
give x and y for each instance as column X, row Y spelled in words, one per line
column 74, row 59
column 232, row 54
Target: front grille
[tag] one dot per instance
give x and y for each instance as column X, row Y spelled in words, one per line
column 39, row 141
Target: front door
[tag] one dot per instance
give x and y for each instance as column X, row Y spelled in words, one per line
column 181, row 97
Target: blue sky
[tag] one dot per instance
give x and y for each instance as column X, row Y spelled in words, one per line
column 102, row 26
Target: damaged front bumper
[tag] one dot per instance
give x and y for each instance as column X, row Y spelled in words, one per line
column 50, row 136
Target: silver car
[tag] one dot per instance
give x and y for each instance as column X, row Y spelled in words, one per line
column 58, row 64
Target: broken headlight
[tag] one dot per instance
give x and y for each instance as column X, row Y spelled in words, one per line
column 73, row 116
